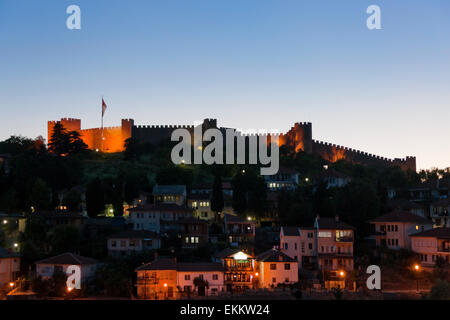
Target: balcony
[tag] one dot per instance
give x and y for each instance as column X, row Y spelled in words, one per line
column 441, row 249
column 343, row 239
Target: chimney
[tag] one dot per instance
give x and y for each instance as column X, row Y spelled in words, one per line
column 336, row 218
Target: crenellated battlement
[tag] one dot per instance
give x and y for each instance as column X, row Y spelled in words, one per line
column 298, row 138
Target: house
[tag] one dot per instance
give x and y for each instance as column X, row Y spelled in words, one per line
column 62, row 218
column 299, row 244
column 327, row 246
column 239, row 229
column 194, row 233
column 274, row 268
column 239, row 269
column 47, row 267
column 158, row 217
column 285, row 178
column 9, row 266
column 406, row 205
column 439, row 213
column 157, row 280
column 392, row 230
column 201, row 279
column 432, row 245
column 200, row 201
column 175, row 194
column 201, row 204
column 430, row 191
column 164, row 278
column 132, row 241
column 332, row 179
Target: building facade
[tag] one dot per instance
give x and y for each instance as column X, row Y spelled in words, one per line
column 274, row 268
column 431, row 246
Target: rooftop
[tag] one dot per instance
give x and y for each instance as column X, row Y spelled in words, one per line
column 68, row 258
column 159, row 264
column 332, row 223
column 167, row 207
column 441, row 233
column 290, row 231
column 401, row 216
column 8, row 253
column 135, row 234
column 175, row 189
column 274, row 255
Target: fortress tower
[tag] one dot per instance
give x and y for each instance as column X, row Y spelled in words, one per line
column 113, row 137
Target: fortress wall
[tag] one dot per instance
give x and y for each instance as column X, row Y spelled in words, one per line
column 333, row 153
column 299, row 137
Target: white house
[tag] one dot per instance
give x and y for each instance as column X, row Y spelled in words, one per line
column 432, row 244
column 131, row 241
column 47, row 267
column 210, row 276
column 275, row 267
column 9, row 266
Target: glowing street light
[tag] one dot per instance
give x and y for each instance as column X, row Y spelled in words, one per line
column 16, row 245
column 256, row 274
column 306, row 179
column 69, row 289
column 11, row 284
column 5, row 221
column 342, row 274
column 417, row 269
column 165, row 285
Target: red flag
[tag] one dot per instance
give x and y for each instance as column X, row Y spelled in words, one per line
column 103, row 107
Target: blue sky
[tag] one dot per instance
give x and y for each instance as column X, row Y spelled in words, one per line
column 250, row 64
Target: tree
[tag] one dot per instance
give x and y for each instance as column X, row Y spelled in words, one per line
column 72, row 200
column 217, row 203
column 60, row 140
column 95, row 198
column 76, row 144
column 64, row 143
column 65, row 239
column 440, row 291
column 40, row 196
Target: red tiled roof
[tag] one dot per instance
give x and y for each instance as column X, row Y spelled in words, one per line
column 401, row 216
column 273, row 255
column 159, row 264
column 68, row 258
column 441, row 233
column 168, row 207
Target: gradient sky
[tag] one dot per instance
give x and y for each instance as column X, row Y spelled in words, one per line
column 248, row 63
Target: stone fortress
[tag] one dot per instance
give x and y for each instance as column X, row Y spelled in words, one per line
column 299, row 137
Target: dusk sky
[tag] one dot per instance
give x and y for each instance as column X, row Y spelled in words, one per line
column 249, row 63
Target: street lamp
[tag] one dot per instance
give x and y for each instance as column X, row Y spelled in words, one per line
column 417, row 269
column 5, row 221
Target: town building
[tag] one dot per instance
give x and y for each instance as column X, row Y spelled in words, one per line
column 158, row 217
column 47, row 267
column 239, row 269
column 399, row 204
column 9, row 266
column 157, row 280
column 62, row 218
column 238, row 229
column 331, row 179
column 439, row 213
column 165, row 278
column 432, row 246
column 200, row 279
column 274, row 268
column 133, row 241
column 327, row 246
column 393, row 230
column 194, row 233
column 285, row 178
column 173, row 194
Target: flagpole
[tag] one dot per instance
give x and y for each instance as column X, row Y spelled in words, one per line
column 102, row 126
